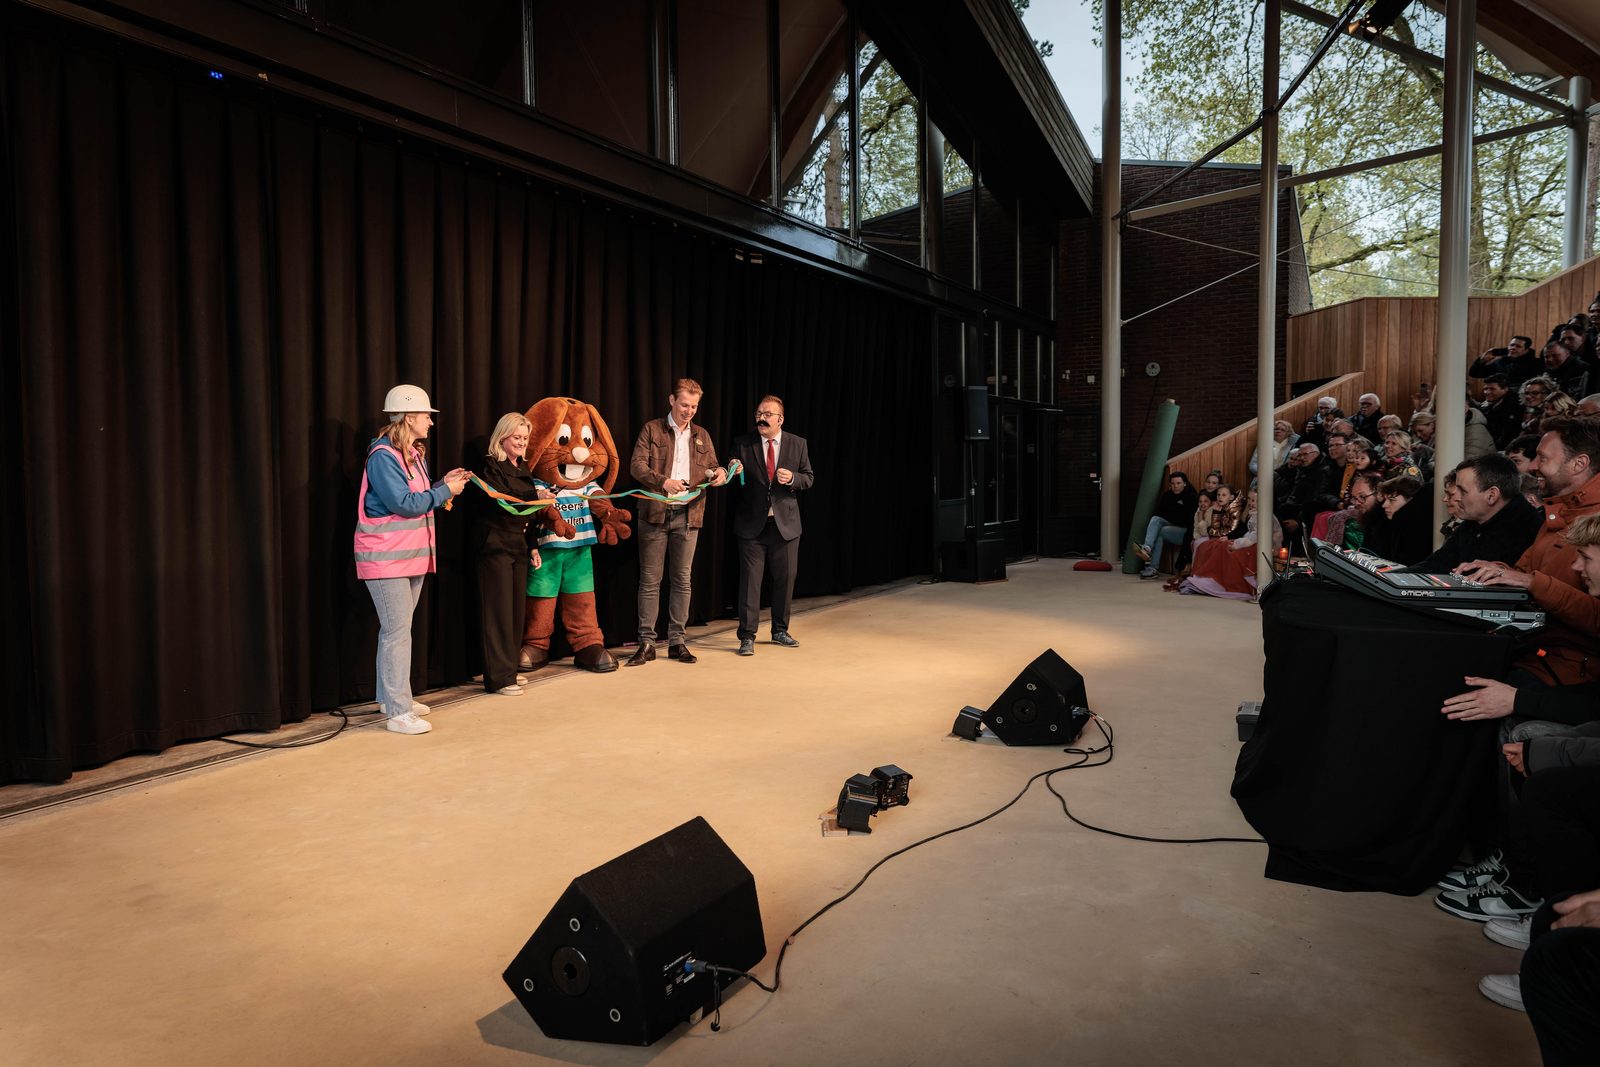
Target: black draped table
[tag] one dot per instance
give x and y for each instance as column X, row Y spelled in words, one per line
column 1352, row 776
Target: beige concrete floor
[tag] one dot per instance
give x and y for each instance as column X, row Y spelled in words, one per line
column 355, row 902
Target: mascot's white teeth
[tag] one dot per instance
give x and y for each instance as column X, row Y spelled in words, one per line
column 572, row 472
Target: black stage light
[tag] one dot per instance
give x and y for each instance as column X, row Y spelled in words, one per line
column 1379, row 17
column 858, row 802
column 969, row 723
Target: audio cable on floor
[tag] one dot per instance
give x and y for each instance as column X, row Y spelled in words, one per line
column 1084, row 756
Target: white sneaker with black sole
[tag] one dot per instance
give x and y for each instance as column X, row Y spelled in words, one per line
column 1492, row 900
column 1504, row 989
column 1488, row 869
column 1512, row 933
column 408, row 724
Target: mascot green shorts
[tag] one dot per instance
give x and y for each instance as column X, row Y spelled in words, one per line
column 564, row 570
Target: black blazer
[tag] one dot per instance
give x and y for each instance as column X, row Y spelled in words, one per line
column 753, row 499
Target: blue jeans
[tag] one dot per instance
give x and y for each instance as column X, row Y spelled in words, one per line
column 396, row 601
column 1160, row 532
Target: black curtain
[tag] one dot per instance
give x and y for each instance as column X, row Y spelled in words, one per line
column 210, row 291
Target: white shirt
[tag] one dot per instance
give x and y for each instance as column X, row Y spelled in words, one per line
column 680, row 453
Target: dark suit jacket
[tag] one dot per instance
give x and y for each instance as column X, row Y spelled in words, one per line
column 752, row 500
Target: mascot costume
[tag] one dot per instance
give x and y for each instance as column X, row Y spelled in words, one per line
column 571, row 454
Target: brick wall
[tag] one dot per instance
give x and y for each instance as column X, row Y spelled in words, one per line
column 1205, row 343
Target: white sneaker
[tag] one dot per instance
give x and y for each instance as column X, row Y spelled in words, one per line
column 420, row 709
column 1512, row 933
column 522, row 679
column 409, row 724
column 509, row 691
column 1504, row 989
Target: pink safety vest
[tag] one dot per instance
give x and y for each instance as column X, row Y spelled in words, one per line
column 393, row 546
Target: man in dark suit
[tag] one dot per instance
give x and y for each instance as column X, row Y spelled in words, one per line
column 766, row 520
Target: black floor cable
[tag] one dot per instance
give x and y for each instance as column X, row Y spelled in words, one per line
column 1083, row 754
column 302, row 742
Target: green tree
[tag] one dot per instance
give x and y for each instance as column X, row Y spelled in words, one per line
column 1366, row 234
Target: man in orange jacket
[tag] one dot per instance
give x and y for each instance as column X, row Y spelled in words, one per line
column 1568, row 462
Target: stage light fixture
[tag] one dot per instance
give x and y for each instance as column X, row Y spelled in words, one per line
column 1379, row 17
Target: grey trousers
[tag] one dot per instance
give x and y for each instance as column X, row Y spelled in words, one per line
column 665, row 546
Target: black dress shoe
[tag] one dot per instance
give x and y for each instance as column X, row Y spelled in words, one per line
column 680, row 653
column 747, row 646
column 785, row 640
column 642, row 655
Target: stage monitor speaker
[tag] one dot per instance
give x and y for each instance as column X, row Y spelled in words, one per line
column 978, row 413
column 1045, row 705
column 607, row 963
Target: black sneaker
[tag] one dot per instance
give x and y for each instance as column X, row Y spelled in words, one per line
column 1492, row 900
column 1488, row 869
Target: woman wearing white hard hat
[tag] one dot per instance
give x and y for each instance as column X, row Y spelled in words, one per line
column 395, row 543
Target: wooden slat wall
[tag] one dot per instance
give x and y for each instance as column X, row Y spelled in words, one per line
column 1230, row 452
column 1394, row 340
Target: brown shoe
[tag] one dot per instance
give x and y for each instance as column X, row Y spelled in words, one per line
column 594, row 658
column 1142, row 552
column 680, row 653
column 533, row 658
column 642, row 655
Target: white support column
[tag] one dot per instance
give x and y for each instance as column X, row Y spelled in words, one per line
column 1111, row 290
column 1455, row 203
column 1577, row 176
column 1267, row 291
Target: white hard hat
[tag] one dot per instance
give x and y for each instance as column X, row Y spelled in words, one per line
column 405, row 399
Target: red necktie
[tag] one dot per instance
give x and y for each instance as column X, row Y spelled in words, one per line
column 772, row 461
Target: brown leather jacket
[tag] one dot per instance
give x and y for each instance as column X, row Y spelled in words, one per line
column 652, row 464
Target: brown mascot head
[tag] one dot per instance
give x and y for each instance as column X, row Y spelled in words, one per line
column 570, row 445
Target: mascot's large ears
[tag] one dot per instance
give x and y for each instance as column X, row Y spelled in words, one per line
column 615, row 462
column 546, row 417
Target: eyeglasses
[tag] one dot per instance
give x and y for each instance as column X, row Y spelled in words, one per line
column 768, row 414
column 1363, row 499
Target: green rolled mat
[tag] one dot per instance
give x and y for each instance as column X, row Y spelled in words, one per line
column 1155, row 466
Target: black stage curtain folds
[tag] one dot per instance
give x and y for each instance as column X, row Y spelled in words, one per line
column 210, row 290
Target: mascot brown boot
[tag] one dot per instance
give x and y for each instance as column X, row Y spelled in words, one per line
column 538, row 623
column 583, row 633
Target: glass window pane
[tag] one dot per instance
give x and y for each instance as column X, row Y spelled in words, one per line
column 814, row 111
column 722, row 93
column 591, row 67
column 997, row 245
column 891, row 213
column 1028, row 378
column 1038, row 256
column 956, row 255
column 479, row 40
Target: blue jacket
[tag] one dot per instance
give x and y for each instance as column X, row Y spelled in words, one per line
column 387, row 490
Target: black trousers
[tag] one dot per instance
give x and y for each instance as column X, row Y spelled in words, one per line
column 1560, row 821
column 1561, row 990
column 502, row 590
column 757, row 555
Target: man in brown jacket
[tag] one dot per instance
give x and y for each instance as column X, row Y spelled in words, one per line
column 671, row 456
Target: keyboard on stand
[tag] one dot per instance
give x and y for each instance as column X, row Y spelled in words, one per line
column 1448, row 596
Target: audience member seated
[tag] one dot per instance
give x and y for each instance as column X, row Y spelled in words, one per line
column 1226, row 566
column 1283, row 439
column 1397, row 458
column 1169, row 524
column 1557, row 405
column 1497, row 522
column 1518, row 361
column 1369, row 409
column 1500, row 410
column 1388, row 425
column 1568, row 462
column 1574, row 338
column 1532, row 397
column 1310, row 493
column 1212, row 480
column 1205, row 502
column 1589, row 405
column 1348, row 527
column 1320, row 422
column 1406, row 536
column 1522, row 451
column 1570, row 373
